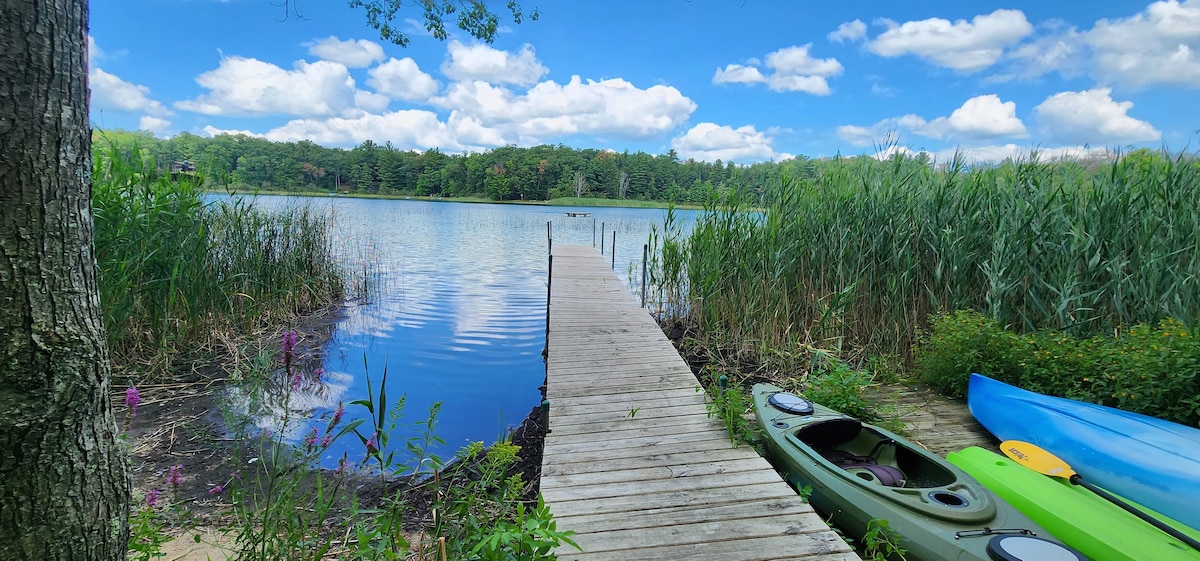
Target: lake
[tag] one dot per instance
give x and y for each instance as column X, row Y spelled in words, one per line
column 457, row 313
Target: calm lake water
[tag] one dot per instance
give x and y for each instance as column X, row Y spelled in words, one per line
column 457, row 314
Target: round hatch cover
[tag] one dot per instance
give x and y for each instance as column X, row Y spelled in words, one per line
column 791, row 403
column 1029, row 548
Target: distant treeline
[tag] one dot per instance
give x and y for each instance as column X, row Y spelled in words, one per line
column 505, row 173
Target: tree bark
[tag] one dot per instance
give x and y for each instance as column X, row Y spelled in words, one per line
column 64, row 479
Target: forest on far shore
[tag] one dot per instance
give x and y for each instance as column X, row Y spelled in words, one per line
column 506, row 173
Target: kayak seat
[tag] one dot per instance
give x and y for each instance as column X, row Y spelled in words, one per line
column 888, row 476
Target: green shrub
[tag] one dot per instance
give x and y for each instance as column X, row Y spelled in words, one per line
column 961, row 343
column 1148, row 369
column 842, row 388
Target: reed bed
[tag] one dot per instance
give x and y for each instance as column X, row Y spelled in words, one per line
column 865, row 251
column 173, row 269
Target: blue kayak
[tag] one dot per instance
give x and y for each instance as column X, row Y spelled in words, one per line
column 1148, row 460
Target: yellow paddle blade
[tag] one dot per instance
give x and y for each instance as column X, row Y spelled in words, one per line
column 1036, row 459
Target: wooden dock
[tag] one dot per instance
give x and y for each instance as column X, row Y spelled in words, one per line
column 633, row 464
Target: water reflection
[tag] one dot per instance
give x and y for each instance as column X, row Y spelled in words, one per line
column 457, row 314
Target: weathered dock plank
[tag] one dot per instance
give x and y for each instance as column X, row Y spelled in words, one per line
column 633, row 463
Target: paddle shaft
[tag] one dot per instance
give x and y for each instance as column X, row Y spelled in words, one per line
column 1077, row 480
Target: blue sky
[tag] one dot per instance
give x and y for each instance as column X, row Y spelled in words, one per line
column 747, row 80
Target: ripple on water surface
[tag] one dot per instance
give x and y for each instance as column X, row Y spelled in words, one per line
column 459, row 311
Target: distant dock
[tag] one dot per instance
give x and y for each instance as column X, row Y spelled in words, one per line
column 577, row 214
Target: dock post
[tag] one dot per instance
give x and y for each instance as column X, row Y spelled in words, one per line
column 614, row 251
column 645, row 254
column 549, row 280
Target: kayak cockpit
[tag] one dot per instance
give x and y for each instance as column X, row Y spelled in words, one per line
column 871, row 455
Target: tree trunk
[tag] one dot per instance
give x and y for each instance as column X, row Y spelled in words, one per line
column 580, row 184
column 64, row 479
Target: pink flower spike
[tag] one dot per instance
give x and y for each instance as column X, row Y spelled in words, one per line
column 288, row 347
column 371, row 446
column 215, row 490
column 326, row 441
column 152, row 498
column 132, row 399
column 175, row 475
column 337, row 415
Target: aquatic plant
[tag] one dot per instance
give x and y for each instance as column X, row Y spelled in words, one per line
column 865, row 251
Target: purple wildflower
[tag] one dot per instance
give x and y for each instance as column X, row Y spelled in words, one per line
column 311, row 440
column 288, row 348
column 337, row 415
column 152, row 498
column 175, row 475
column 132, row 399
column 216, row 490
column 326, row 441
column 371, row 446
column 342, row 463
column 318, row 373
column 296, row 382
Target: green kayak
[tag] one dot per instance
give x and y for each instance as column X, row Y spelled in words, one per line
column 1090, row 524
column 858, row 472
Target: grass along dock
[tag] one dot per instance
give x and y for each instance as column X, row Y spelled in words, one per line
column 633, row 463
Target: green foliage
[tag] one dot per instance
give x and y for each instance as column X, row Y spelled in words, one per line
column 147, row 535
column 472, row 16
column 1148, row 369
column 963, row 342
column 881, row 542
column 288, row 508
column 173, row 270
column 508, row 173
column 837, row 386
column 732, row 403
column 282, row 499
column 855, row 250
column 531, row 536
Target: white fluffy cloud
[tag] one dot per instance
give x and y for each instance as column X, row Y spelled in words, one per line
column 482, row 112
column 156, row 125
column 482, row 62
column 111, row 93
column 1157, row 46
column 1091, row 117
column 999, row 153
column 352, row 53
column 710, row 142
column 961, row 46
column 94, row 51
column 793, row 70
column 551, row 109
column 405, row 129
column 849, row 31
column 247, row 86
column 214, row 131
column 979, row 118
column 402, row 79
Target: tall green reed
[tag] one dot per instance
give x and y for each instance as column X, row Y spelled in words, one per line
column 174, row 269
column 866, row 250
